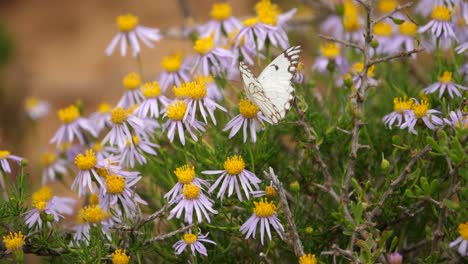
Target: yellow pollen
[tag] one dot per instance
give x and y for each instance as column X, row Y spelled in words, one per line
column 359, row 67
column 263, row 208
column 119, row 257
column 248, row 109
column 94, row 199
column 48, row 158
column 234, row 165
column 191, row 191
column 195, row 90
column 330, row 50
column 151, row 89
column 270, row 191
column 308, row 259
column 387, row 6
column 204, row 45
column 119, row 115
column 190, row 238
column 102, row 172
column 250, row 22
column 69, row 114
column 87, row 161
column 31, row 103
column 441, row 13
column 402, row 104
column 420, row 110
column 185, row 174
column 93, row 214
column 115, row 184
column 172, row 63
column 267, row 12
column 383, row 29
column 104, row 108
column 463, row 229
column 446, row 77
column 4, row 154
column 14, row 241
column 203, row 79
column 131, row 81
column 176, row 111
column 408, row 28
column 41, row 197
column 127, row 22
column 220, row 11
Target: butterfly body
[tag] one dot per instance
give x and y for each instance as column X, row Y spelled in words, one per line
column 273, row 90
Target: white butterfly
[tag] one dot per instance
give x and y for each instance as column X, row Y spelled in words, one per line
column 273, row 90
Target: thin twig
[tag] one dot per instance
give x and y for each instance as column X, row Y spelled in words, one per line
column 329, row 190
column 396, row 10
column 341, row 41
column 161, row 212
column 296, row 240
column 168, row 235
column 401, row 54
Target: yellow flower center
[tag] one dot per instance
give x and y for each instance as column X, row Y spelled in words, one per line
column 308, row 259
column 69, row 114
column 119, row 257
column 14, row 241
column 104, row 108
column 41, row 197
column 115, row 184
column 408, row 28
column 267, row 12
column 330, row 50
column 103, row 172
column 131, row 81
column 420, row 110
column 48, row 158
column 191, row 191
column 195, row 90
column 270, row 191
column 190, row 238
column 387, row 6
column 203, row 79
column 119, row 115
column 248, row 109
column 94, row 199
column 383, row 29
column 220, row 11
column 359, row 67
column 31, row 103
column 172, row 63
column 263, row 208
column 185, row 174
column 176, row 110
column 441, row 13
column 446, row 77
column 97, row 147
column 87, row 161
column 4, row 154
column 204, row 45
column 151, row 89
column 351, row 23
column 463, row 229
column 127, row 22
column 402, row 104
column 234, row 165
column 250, row 22
column 93, row 214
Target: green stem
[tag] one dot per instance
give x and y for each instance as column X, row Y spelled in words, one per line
column 438, row 58
column 140, row 67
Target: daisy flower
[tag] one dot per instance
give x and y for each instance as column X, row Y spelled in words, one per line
column 308, row 259
column 150, row 106
column 14, row 241
column 196, row 97
column 330, row 58
column 102, row 151
column 357, row 69
column 92, row 215
column 252, row 34
column 401, row 107
column 123, row 122
column 117, row 191
column 119, row 257
column 132, row 95
column 424, row 7
column 52, row 165
column 332, row 25
column 185, row 175
column 383, row 32
column 43, row 202
column 269, row 191
column 352, row 22
column 5, row 166
column 462, row 240
column 73, row 126
column 210, row 59
column 405, row 37
column 440, row 25
column 195, row 243
column 36, row 108
column 233, row 173
column 176, row 71
column 250, row 116
column 388, row 6
column 421, row 111
column 130, row 33
column 175, row 112
column 192, row 200
column 135, row 150
column 457, row 120
column 265, row 213
column 222, row 22
column 445, row 83
column 101, row 118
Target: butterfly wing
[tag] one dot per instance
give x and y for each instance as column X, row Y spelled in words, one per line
column 276, row 82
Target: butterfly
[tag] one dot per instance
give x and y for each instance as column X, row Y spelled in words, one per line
column 273, row 90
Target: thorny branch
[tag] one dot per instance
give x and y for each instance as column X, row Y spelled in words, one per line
column 396, row 10
column 401, row 54
column 161, row 212
column 344, row 42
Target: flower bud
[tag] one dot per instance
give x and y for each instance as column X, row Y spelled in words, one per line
column 374, row 44
column 395, row 258
column 309, row 230
column 294, row 186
